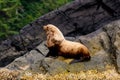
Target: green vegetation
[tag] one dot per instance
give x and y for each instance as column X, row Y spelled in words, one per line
column 15, row 14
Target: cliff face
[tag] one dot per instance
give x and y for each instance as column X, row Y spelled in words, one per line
column 80, row 20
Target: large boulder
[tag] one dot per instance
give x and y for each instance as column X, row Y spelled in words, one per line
column 113, row 32
column 30, row 59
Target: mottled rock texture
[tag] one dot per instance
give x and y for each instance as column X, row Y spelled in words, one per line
column 86, row 21
column 102, row 43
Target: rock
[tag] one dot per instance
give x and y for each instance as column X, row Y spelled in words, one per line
column 31, row 60
column 55, row 66
column 27, row 61
column 70, row 38
column 100, row 46
column 43, row 48
column 113, row 32
column 79, row 17
column 108, row 41
column 27, row 50
column 104, row 49
column 8, row 55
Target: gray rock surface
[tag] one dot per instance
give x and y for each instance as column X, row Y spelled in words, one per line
column 30, row 60
column 104, row 49
column 79, row 17
column 79, row 21
column 113, row 32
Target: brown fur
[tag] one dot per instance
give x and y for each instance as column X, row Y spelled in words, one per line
column 70, row 49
